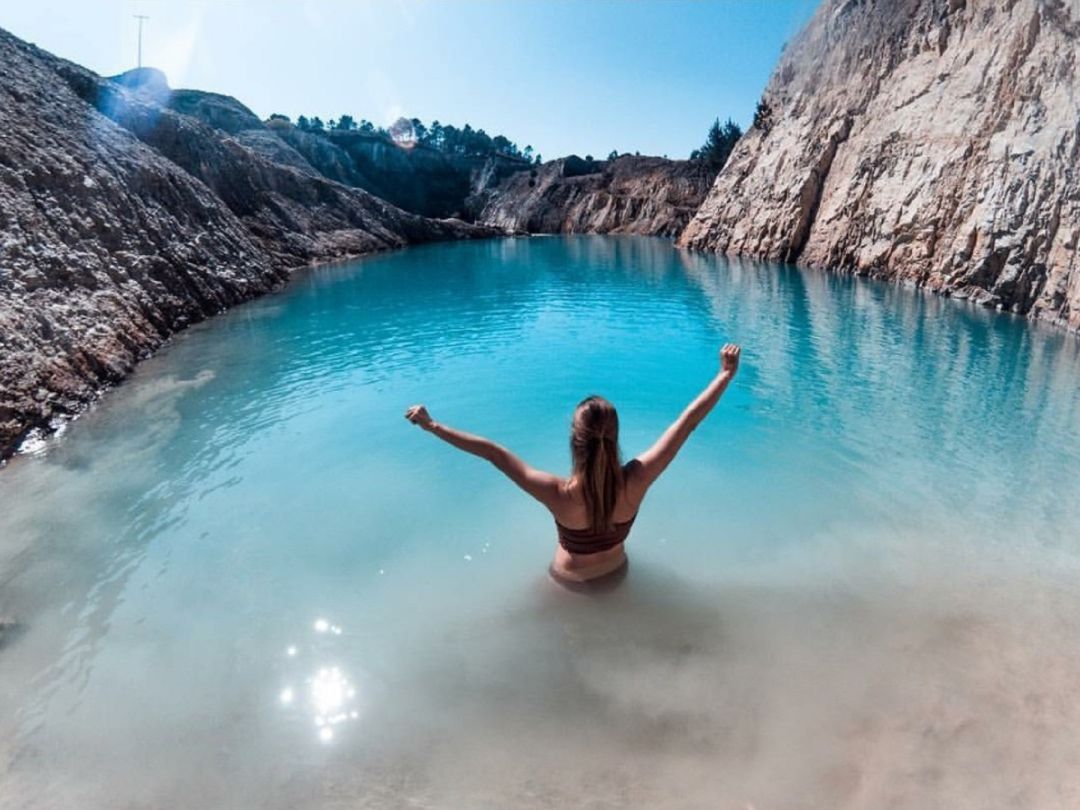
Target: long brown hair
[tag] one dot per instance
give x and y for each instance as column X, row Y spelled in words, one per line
column 594, row 447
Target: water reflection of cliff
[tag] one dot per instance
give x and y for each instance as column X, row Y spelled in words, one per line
column 964, row 387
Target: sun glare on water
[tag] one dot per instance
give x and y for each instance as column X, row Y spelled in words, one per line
column 330, row 695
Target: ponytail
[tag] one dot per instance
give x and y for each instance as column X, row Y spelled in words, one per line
column 594, row 445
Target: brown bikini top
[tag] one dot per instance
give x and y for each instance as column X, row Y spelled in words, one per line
column 586, row 541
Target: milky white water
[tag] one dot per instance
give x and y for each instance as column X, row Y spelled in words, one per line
column 244, row 580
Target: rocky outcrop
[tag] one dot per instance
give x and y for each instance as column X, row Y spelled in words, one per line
column 270, row 146
column 298, row 216
column 324, row 157
column 628, row 194
column 929, row 141
column 221, row 112
column 417, row 178
column 123, row 220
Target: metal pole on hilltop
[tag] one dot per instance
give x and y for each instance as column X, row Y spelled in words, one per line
column 140, row 18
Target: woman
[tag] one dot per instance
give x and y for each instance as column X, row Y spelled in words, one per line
column 595, row 506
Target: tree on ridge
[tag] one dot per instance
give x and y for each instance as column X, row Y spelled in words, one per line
column 718, row 145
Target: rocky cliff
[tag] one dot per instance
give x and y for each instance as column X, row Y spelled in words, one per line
column 123, row 220
column 418, row 179
column 929, row 141
column 628, row 194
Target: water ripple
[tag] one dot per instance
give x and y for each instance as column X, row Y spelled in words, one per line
column 259, row 469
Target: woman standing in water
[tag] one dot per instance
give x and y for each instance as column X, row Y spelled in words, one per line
column 595, row 506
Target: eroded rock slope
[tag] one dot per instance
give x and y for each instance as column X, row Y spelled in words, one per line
column 628, row 194
column 930, row 141
column 123, row 220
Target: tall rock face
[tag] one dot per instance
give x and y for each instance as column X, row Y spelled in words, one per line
column 929, row 141
column 628, row 194
column 123, row 220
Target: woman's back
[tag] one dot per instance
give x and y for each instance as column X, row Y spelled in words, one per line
column 572, row 510
column 595, row 507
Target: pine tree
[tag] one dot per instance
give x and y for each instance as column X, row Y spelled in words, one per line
column 718, row 145
column 436, row 136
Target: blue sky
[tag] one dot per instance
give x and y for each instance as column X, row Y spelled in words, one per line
column 584, row 76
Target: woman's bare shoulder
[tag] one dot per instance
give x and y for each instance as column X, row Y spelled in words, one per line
column 569, row 491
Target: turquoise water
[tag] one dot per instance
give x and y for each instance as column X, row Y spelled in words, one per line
column 244, row 580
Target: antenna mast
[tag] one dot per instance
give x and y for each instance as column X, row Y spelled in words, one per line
column 140, row 18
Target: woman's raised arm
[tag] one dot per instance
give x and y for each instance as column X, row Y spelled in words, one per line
column 545, row 487
column 656, row 459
